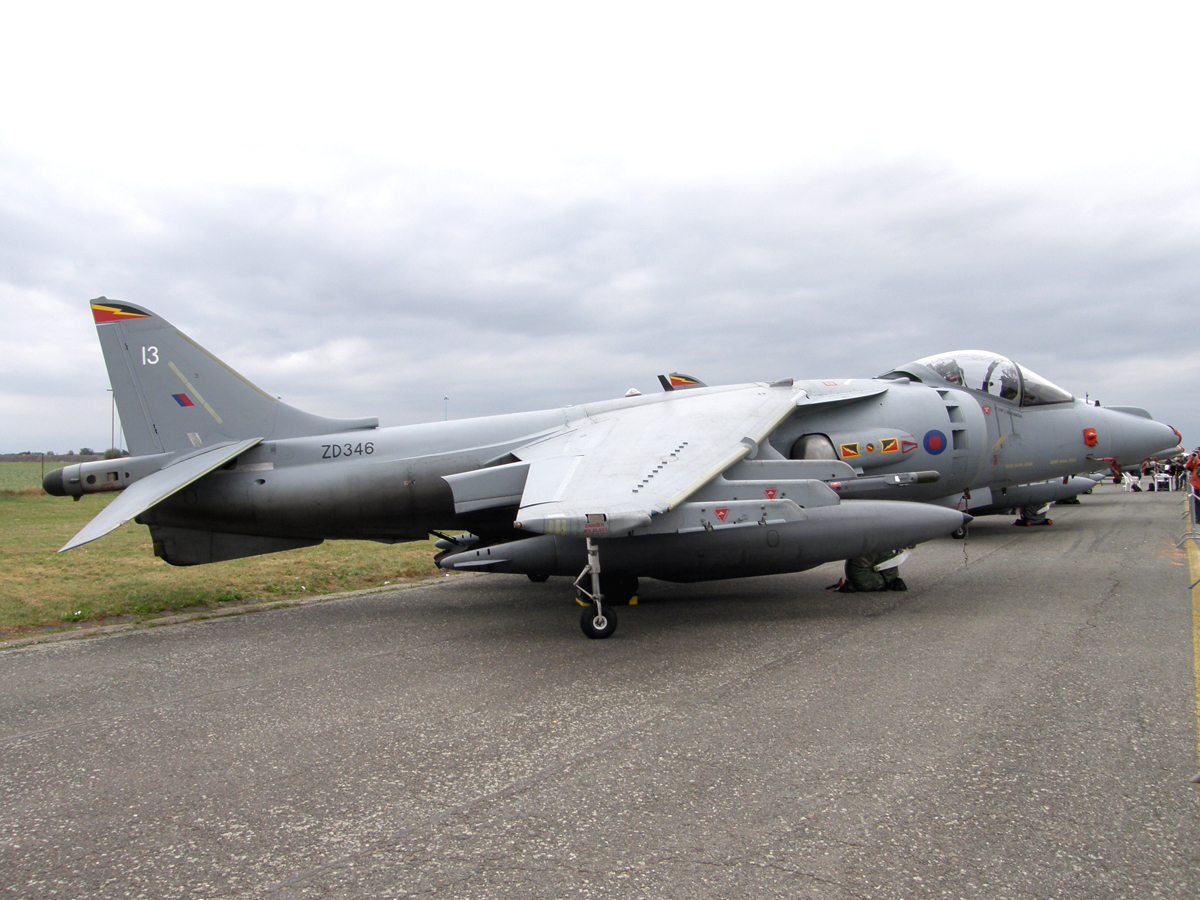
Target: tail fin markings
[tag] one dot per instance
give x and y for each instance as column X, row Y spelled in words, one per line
column 174, row 395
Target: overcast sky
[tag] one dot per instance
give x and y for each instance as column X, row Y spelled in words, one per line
column 520, row 206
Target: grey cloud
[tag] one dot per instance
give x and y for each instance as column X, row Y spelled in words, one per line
column 393, row 291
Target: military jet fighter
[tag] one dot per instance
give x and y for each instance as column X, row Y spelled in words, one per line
column 688, row 485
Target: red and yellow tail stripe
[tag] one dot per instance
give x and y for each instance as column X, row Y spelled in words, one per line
column 107, row 311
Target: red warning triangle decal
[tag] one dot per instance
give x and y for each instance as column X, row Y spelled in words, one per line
column 770, row 493
column 722, row 512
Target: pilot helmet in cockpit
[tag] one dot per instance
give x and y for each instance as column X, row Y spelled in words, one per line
column 1010, row 380
column 950, row 370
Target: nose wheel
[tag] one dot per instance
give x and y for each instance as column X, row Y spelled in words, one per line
column 598, row 620
column 597, row 625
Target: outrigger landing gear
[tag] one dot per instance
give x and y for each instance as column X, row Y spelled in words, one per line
column 599, row 621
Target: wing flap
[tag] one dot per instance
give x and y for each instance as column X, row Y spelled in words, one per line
column 145, row 493
column 613, row 471
column 548, row 478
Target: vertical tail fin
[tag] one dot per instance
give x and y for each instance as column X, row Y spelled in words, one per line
column 174, row 395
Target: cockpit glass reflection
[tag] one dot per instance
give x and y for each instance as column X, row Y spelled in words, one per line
column 992, row 374
column 1039, row 391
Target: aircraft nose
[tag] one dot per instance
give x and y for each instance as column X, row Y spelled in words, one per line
column 1135, row 438
column 53, row 483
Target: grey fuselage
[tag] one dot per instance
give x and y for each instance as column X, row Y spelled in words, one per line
column 387, row 483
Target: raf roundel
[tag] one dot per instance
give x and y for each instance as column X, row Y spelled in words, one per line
column 935, row 442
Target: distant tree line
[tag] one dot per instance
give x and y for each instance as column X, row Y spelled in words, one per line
column 83, row 454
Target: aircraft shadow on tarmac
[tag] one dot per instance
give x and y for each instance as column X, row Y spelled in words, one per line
column 749, row 601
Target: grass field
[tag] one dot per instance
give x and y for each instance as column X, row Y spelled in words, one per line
column 23, row 477
column 118, row 575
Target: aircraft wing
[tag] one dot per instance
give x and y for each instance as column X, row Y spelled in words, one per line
column 144, row 493
column 611, row 471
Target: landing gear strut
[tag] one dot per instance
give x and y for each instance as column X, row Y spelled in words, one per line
column 599, row 621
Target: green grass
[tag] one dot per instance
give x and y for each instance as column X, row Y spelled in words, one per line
column 23, row 477
column 118, row 575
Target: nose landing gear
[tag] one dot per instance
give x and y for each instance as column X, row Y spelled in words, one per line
column 599, row 621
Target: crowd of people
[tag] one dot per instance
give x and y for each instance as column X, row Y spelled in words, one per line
column 1173, row 474
column 1182, row 474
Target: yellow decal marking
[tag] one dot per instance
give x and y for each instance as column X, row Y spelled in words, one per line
column 889, row 445
column 195, row 393
column 1019, row 465
column 1194, row 568
column 849, row 451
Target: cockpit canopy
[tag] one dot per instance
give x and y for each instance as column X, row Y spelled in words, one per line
column 989, row 373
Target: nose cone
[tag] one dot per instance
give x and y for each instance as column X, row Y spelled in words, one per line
column 1134, row 438
column 53, row 483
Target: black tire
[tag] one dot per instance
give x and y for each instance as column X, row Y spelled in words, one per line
column 959, row 533
column 598, row 627
column 539, row 578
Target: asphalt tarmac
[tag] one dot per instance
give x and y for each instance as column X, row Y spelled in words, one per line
column 1020, row 723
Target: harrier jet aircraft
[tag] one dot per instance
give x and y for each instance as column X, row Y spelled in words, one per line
column 687, row 485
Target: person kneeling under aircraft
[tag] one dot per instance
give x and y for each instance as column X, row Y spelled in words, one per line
column 880, row 572
column 1034, row 515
